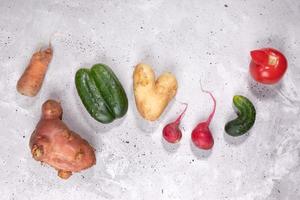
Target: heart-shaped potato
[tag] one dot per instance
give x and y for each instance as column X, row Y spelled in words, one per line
column 152, row 96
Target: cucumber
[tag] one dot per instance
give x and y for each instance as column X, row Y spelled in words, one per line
column 101, row 93
column 246, row 117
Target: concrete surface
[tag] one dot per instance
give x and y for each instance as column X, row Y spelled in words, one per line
column 207, row 40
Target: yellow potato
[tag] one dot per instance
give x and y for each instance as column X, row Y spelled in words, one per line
column 152, row 96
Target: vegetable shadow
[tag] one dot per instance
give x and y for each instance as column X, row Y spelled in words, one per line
column 235, row 140
column 200, row 153
column 144, row 125
column 26, row 102
column 262, row 91
column 170, row 147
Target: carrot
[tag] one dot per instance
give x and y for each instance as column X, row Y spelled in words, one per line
column 32, row 79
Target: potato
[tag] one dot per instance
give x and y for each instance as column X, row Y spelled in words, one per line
column 53, row 143
column 152, row 96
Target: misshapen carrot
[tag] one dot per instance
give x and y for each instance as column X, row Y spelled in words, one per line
column 32, row 79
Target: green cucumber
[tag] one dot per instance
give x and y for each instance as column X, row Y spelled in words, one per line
column 246, row 117
column 101, row 93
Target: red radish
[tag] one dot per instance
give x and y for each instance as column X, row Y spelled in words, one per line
column 201, row 135
column 171, row 131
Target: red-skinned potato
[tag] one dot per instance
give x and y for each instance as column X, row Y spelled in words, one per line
column 52, row 142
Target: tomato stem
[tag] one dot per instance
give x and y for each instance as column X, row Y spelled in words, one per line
column 272, row 60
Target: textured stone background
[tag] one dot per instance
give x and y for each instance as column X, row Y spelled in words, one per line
column 196, row 39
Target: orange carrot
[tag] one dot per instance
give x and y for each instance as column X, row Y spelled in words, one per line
column 32, row 79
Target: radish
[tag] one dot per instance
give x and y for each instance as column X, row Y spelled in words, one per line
column 171, row 131
column 201, row 135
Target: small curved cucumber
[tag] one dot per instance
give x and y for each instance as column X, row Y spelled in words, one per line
column 101, row 93
column 246, row 117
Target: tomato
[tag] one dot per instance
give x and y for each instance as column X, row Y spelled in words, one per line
column 268, row 65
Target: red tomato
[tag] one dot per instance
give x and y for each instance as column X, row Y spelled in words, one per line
column 267, row 65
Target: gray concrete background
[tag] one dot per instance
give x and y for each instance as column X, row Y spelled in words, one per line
column 207, row 40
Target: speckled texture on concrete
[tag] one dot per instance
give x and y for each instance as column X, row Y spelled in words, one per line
column 207, row 40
